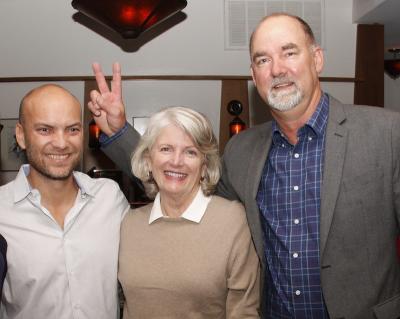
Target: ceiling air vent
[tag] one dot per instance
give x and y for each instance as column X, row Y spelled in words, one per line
column 242, row 16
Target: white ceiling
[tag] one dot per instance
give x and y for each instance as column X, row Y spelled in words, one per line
column 387, row 13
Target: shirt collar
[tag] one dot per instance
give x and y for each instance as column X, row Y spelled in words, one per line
column 23, row 188
column 320, row 117
column 317, row 122
column 194, row 212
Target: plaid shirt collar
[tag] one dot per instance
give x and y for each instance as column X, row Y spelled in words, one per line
column 316, row 124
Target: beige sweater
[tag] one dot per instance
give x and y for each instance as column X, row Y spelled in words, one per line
column 175, row 268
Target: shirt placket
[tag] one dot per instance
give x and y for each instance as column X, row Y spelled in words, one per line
column 296, row 223
column 69, row 247
column 59, row 233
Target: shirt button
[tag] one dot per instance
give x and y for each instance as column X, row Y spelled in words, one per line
column 310, row 138
column 296, row 155
column 296, row 221
column 296, row 188
column 297, row 292
column 295, row 255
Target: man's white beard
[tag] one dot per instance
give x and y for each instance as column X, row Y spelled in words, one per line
column 284, row 100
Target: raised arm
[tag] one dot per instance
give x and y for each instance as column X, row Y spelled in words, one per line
column 106, row 105
column 108, row 111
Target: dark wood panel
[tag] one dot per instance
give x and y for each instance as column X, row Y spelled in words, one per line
column 370, row 65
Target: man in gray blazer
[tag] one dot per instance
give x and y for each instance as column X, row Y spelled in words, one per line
column 320, row 183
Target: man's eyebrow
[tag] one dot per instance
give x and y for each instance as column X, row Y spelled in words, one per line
column 289, row 46
column 75, row 124
column 257, row 54
column 38, row 124
column 51, row 125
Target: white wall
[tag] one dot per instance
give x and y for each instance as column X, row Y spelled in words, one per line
column 146, row 97
column 341, row 34
column 49, row 42
column 52, row 43
column 362, row 7
column 12, row 93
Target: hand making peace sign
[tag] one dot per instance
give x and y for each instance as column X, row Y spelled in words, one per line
column 106, row 106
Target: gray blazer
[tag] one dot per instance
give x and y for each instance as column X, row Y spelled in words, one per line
column 360, row 204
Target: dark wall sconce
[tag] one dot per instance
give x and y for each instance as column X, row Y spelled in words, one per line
column 94, row 135
column 129, row 17
column 235, row 108
column 392, row 66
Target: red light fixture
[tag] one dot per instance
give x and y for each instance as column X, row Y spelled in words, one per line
column 94, row 135
column 129, row 17
column 235, row 108
column 392, row 66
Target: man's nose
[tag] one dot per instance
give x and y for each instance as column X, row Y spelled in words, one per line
column 60, row 140
column 278, row 68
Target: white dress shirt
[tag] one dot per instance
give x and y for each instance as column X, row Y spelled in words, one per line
column 56, row 273
column 194, row 212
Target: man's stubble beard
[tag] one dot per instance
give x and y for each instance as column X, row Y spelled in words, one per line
column 35, row 161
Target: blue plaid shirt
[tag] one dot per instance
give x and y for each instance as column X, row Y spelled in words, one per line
column 289, row 202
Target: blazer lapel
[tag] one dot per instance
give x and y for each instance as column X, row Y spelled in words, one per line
column 259, row 158
column 335, row 152
column 257, row 162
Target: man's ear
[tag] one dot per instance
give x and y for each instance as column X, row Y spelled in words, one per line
column 252, row 75
column 20, row 136
column 318, row 58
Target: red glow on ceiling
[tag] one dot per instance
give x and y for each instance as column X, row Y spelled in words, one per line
column 131, row 14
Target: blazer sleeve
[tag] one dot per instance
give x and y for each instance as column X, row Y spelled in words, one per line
column 225, row 188
column 396, row 164
column 120, row 149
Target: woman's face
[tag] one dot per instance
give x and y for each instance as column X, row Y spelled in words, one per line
column 176, row 164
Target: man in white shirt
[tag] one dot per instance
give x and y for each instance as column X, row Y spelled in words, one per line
column 62, row 227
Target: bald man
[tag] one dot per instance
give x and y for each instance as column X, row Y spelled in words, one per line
column 62, row 227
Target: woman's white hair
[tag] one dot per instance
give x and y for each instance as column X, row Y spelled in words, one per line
column 197, row 127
